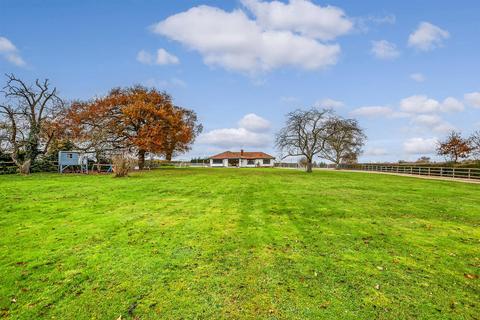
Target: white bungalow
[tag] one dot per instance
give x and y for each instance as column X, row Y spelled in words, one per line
column 242, row 159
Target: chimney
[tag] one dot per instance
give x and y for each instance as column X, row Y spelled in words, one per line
column 241, row 152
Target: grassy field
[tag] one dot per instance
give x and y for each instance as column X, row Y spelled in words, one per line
column 238, row 243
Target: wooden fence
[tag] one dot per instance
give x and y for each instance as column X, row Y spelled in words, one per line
column 9, row 167
column 449, row 172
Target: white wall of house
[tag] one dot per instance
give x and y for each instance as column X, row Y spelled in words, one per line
column 224, row 163
column 255, row 163
column 245, row 163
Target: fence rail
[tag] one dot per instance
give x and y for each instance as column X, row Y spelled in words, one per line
column 448, row 172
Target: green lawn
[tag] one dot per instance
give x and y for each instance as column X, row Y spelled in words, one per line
column 238, row 243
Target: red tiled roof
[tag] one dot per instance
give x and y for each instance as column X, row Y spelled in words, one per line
column 239, row 155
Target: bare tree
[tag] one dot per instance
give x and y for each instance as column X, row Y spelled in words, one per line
column 304, row 134
column 345, row 140
column 475, row 144
column 27, row 108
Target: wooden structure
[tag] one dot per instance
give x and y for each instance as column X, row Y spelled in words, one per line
column 72, row 161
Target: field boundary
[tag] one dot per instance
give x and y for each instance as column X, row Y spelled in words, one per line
column 469, row 175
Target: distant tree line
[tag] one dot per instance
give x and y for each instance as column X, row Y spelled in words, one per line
column 35, row 123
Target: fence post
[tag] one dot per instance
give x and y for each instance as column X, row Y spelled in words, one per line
column 453, row 173
column 428, row 170
column 441, row 172
column 469, row 170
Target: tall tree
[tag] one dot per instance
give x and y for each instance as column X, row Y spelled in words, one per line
column 91, row 126
column 184, row 129
column 24, row 115
column 137, row 119
column 454, row 147
column 305, row 134
column 345, row 140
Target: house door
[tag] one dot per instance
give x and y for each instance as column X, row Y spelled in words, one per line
column 233, row 162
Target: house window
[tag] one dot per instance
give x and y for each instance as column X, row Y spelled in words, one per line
column 217, row 161
column 251, row 161
column 266, row 161
column 70, row 155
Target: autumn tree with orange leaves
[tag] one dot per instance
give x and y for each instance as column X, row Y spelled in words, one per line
column 136, row 119
column 454, row 147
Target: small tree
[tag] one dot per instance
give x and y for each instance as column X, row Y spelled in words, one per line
column 475, row 144
column 122, row 165
column 454, row 147
column 24, row 117
column 304, row 134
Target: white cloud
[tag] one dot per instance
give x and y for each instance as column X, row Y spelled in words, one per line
column 362, row 24
column 160, row 83
column 427, row 37
column 444, row 128
column 289, row 100
column 300, row 16
column 234, row 137
column 329, row 103
column 420, row 145
column 427, row 119
column 417, row 77
column 251, row 132
column 451, row 104
column 433, row 123
column 254, row 123
column 10, row 53
column 388, row 19
column 163, row 57
column 376, row 152
column 235, row 42
column 385, row 50
column 473, row 99
column 419, row 104
column 424, row 104
column 372, row 111
column 144, row 57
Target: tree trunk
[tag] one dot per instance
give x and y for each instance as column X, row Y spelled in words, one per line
column 309, row 166
column 141, row 159
column 168, row 156
column 24, row 168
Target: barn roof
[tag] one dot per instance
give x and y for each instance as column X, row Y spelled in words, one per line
column 242, row 155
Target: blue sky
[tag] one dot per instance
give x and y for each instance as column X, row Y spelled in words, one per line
column 407, row 70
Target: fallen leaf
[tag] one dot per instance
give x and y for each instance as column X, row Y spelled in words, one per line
column 377, row 286
column 470, row 276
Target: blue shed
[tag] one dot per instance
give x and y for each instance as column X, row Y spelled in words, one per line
column 74, row 160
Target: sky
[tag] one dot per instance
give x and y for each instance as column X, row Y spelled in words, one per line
column 407, row 70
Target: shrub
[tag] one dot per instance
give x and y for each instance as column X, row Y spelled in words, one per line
column 122, row 165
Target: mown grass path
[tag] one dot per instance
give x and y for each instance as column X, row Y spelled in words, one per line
column 238, row 243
